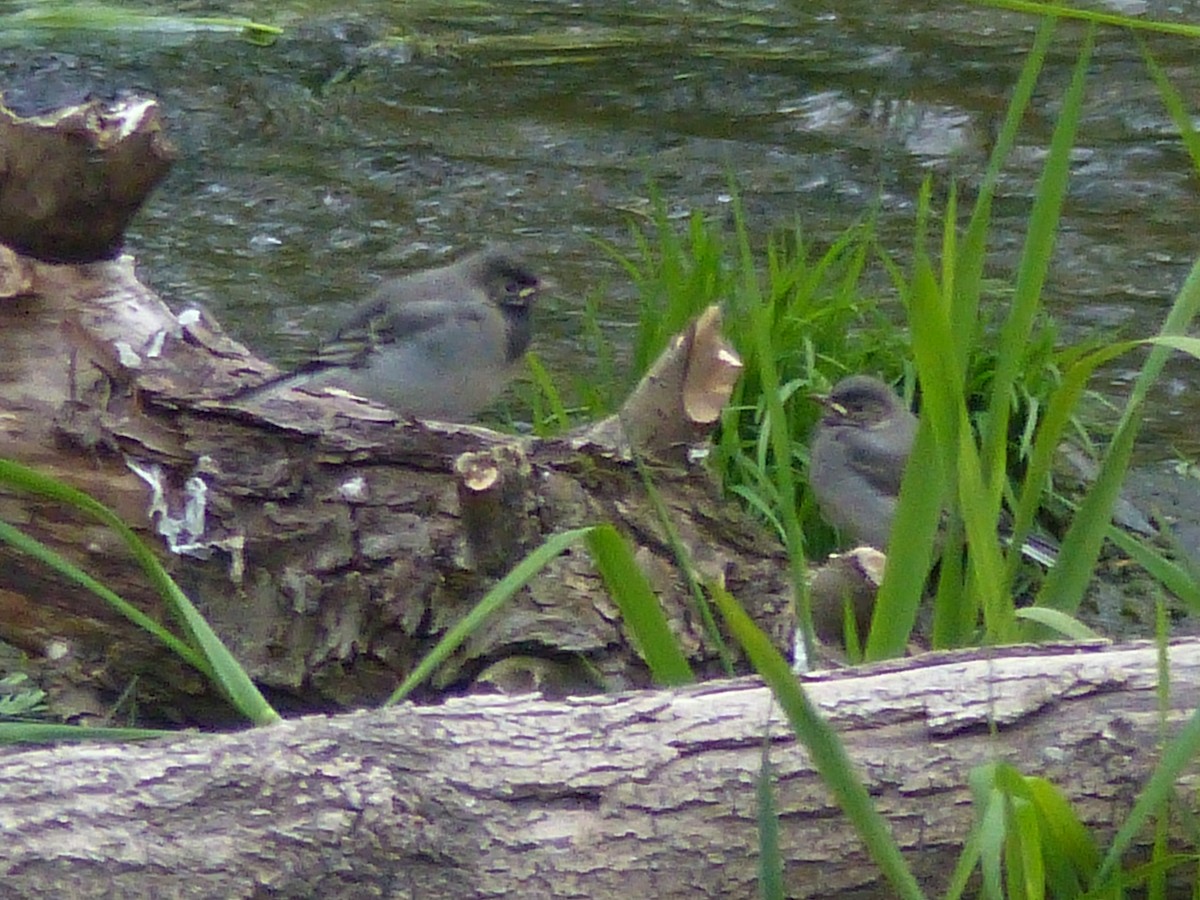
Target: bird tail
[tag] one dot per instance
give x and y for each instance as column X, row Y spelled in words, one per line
column 282, row 381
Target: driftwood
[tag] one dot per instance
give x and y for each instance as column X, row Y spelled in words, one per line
column 647, row 794
column 72, row 177
column 327, row 542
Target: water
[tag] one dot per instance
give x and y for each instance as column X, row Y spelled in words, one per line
column 312, row 167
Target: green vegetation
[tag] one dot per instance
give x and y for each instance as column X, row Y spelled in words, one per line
column 992, row 413
column 998, row 405
column 16, row 26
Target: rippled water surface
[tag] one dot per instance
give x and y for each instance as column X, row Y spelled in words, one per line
column 371, row 142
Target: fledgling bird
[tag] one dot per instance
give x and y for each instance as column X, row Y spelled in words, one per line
column 857, row 458
column 859, row 450
column 436, row 344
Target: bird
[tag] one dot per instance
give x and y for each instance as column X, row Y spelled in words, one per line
column 859, row 450
column 435, row 344
column 857, row 458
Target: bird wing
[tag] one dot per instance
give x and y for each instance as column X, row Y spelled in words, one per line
column 383, row 322
column 878, row 457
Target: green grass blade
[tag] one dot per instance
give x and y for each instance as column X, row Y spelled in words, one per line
column 1026, row 868
column 1176, row 758
column 1188, row 345
column 828, row 755
column 1055, row 620
column 547, row 390
column 992, row 836
column 1095, row 18
column 1069, row 843
column 99, row 17
column 639, row 606
column 687, row 569
column 911, row 551
column 52, row 560
column 222, row 668
column 30, row 480
column 1174, row 104
column 1036, row 254
column 1065, row 585
column 968, row 860
column 968, row 280
column 980, row 514
column 1157, row 884
column 1177, row 579
column 955, row 611
column 38, row 733
column 770, row 859
column 1025, row 873
column 500, row 594
column 228, row 673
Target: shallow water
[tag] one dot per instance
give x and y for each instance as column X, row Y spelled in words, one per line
column 312, row 167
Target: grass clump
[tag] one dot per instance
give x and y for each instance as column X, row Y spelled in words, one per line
column 997, row 395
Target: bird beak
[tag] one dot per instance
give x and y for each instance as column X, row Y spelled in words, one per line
column 828, row 404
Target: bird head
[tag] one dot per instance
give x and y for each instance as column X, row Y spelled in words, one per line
column 859, row 400
column 505, row 277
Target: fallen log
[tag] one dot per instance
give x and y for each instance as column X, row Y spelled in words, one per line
column 328, row 542
column 645, row 794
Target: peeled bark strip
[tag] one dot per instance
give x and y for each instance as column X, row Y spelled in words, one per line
column 647, row 794
column 329, row 543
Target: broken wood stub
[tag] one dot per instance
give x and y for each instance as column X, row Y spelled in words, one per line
column 492, row 490
column 677, row 403
column 73, row 178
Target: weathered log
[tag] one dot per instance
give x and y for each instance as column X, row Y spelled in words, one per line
column 647, row 794
column 329, row 543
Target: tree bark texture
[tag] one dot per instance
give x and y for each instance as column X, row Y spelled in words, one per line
column 646, row 794
column 328, row 543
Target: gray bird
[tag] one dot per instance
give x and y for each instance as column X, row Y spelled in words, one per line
column 859, row 450
column 437, row 344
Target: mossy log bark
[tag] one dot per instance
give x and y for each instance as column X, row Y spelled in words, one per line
column 646, row 794
column 327, row 542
